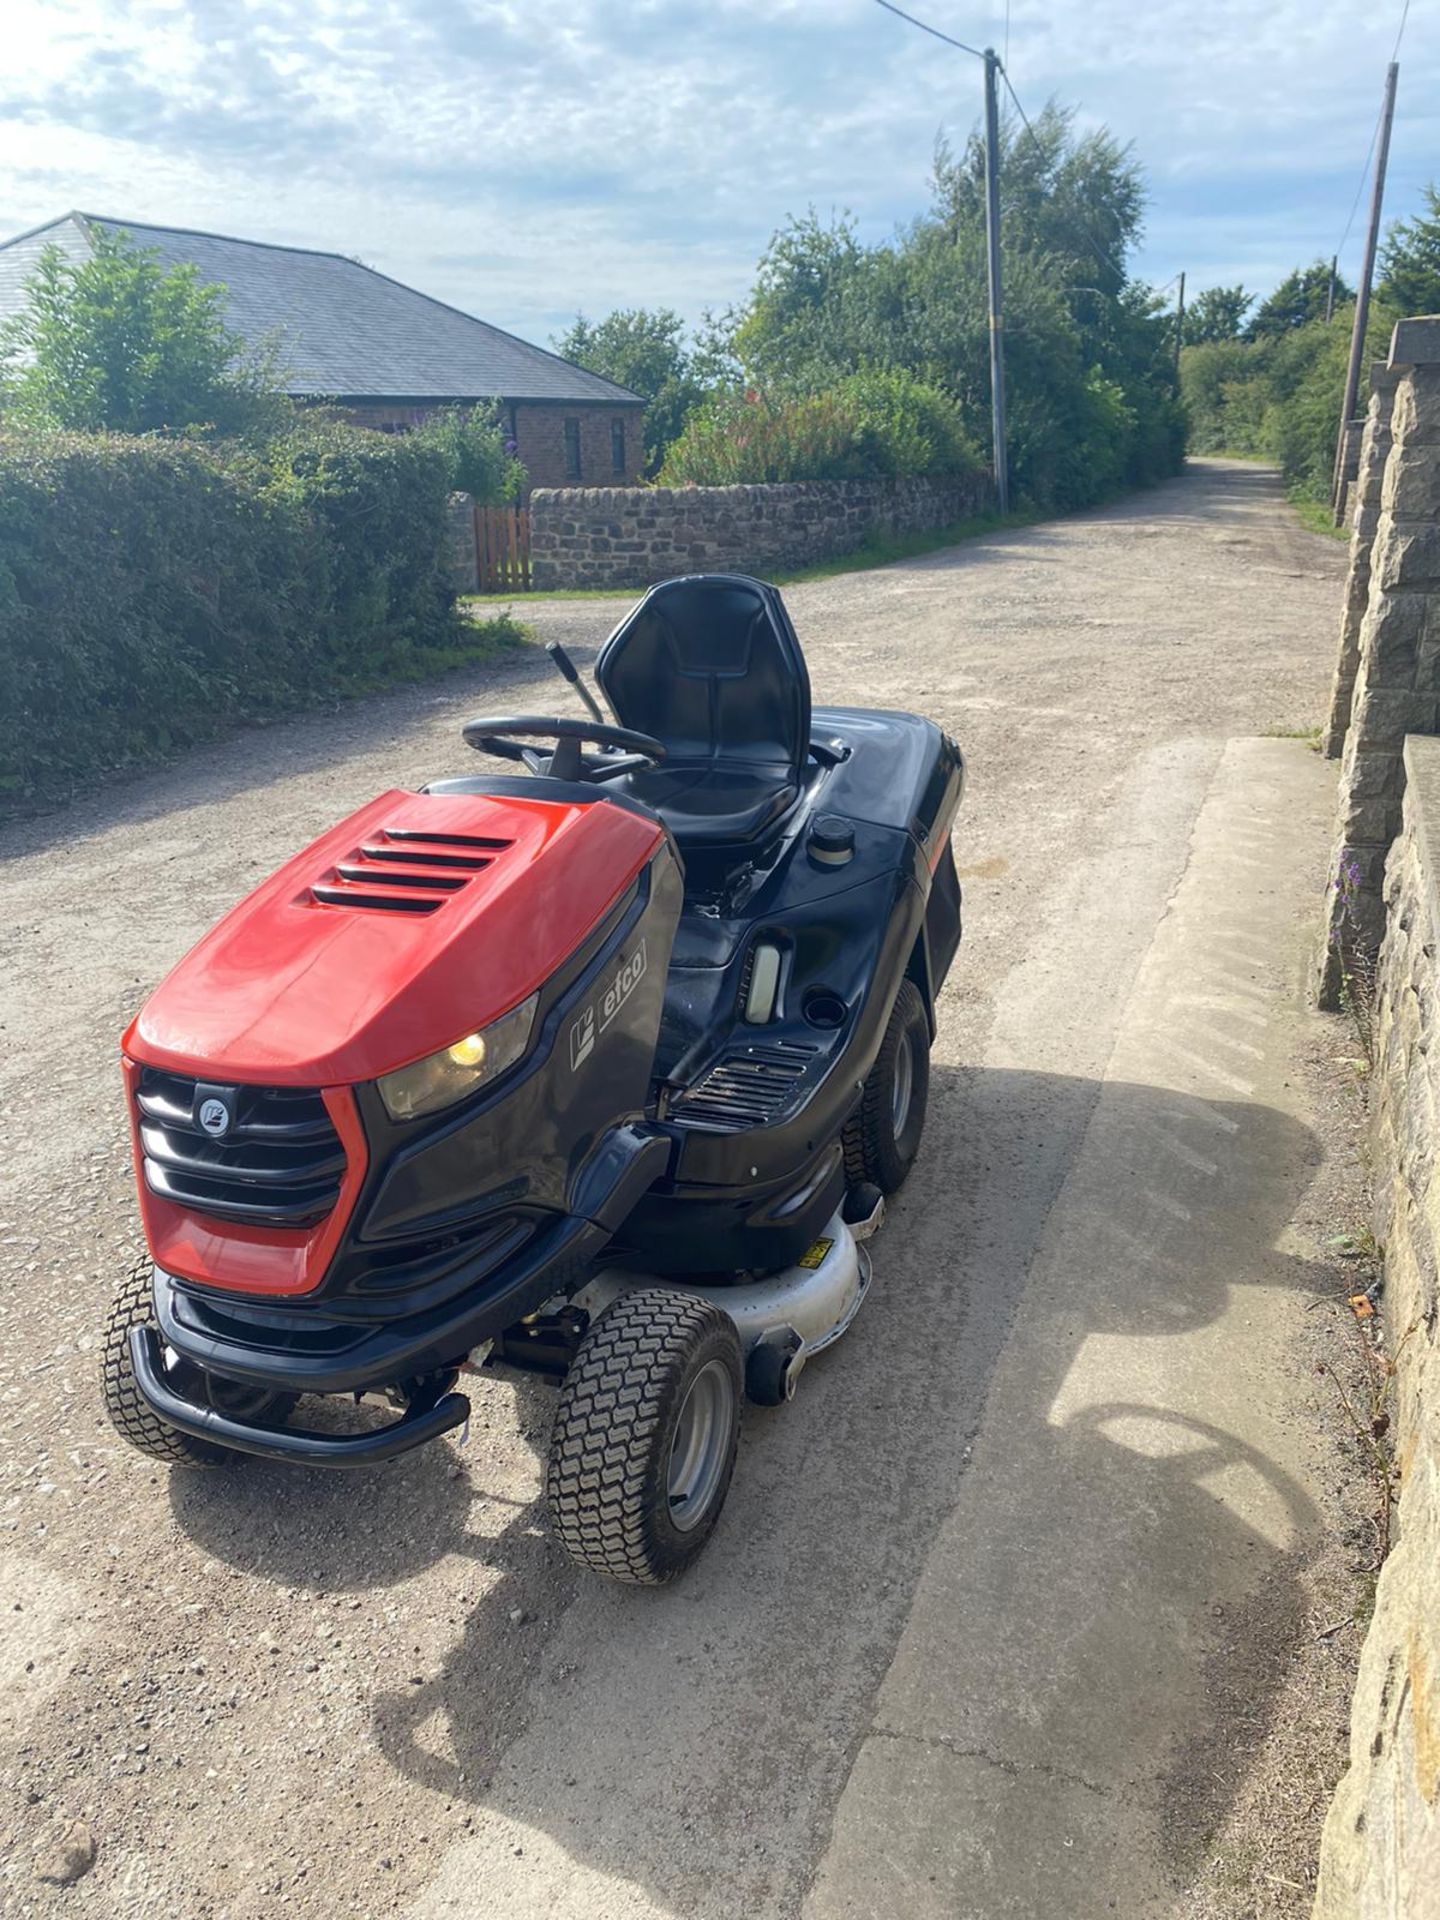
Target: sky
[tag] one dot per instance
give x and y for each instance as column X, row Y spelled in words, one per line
column 528, row 159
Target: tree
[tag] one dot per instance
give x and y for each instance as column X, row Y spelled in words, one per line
column 1216, row 314
column 1410, row 261
column 1079, row 200
column 643, row 349
column 1089, row 354
column 1300, row 297
column 116, row 341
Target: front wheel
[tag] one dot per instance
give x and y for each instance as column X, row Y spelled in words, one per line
column 131, row 1414
column 645, row 1436
column 882, row 1136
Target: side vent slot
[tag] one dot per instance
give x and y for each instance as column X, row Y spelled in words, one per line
column 749, row 1089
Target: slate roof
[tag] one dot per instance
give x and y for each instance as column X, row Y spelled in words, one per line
column 343, row 330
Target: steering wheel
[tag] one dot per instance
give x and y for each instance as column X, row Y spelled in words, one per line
column 506, row 739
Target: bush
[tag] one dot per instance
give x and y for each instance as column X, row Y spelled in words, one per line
column 870, row 425
column 154, row 591
column 1278, row 396
column 473, row 443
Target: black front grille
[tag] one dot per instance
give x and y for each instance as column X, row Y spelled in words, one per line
column 279, row 1164
column 752, row 1088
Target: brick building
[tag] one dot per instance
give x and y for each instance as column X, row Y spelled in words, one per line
column 354, row 338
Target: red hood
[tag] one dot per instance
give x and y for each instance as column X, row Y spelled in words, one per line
column 351, row 961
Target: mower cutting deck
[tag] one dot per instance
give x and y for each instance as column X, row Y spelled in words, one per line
column 601, row 1069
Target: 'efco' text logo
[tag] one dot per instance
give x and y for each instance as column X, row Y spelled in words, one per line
column 598, row 1015
column 632, row 972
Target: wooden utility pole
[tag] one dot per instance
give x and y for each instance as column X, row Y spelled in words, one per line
column 1330, row 290
column 992, row 257
column 1179, row 324
column 1362, row 297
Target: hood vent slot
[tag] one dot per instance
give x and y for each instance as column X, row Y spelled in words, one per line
column 351, row 896
column 405, row 870
column 359, row 870
column 411, row 835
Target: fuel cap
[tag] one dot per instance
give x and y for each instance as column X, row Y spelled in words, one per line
column 832, row 841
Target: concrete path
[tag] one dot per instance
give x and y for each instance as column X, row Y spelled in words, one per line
column 1139, row 1467
column 951, row 1649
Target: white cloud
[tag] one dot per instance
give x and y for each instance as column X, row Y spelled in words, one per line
column 525, row 159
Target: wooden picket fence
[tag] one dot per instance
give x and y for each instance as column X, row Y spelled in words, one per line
column 502, row 549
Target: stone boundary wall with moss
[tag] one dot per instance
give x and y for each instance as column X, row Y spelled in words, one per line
column 630, row 537
column 1380, row 1858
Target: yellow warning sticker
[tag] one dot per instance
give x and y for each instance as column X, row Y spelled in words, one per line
column 815, row 1255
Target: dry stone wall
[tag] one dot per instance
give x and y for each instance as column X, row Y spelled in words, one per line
column 1380, row 1858
column 1364, row 519
column 1397, row 679
column 630, row 537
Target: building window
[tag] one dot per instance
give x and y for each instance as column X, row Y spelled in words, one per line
column 617, row 446
column 572, row 449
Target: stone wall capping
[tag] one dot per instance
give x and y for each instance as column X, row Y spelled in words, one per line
column 1416, row 342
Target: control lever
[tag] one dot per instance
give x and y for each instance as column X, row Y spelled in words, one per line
column 569, row 671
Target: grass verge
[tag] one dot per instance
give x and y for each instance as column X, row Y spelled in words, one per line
column 1317, row 516
column 1310, row 735
column 478, row 643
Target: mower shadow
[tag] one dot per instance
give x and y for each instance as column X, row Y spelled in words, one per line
column 697, row 1738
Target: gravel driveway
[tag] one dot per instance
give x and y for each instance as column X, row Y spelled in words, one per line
column 280, row 1691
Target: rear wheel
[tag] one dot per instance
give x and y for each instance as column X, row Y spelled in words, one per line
column 131, row 1414
column 882, row 1136
column 645, row 1436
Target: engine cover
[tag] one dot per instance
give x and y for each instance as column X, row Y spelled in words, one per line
column 418, row 919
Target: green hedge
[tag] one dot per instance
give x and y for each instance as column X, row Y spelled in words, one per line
column 154, row 591
column 1279, row 395
column 872, row 424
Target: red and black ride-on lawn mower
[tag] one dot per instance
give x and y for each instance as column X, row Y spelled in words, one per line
column 600, row 1069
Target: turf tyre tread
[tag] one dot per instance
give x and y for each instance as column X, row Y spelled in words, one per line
column 872, row 1153
column 128, row 1411
column 606, row 1479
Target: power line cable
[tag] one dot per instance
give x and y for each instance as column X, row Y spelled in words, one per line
column 1360, row 184
column 924, row 28
column 1106, row 260
column 1404, row 16
column 1374, row 136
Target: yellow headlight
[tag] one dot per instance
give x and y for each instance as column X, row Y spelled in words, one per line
column 471, row 1062
column 469, row 1052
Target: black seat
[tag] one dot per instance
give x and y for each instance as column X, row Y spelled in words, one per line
column 710, row 666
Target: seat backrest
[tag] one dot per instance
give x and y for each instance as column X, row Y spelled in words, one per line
column 710, row 666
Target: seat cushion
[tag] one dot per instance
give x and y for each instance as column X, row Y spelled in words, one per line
column 714, row 806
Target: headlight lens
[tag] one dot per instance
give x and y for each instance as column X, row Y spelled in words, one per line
column 474, row 1060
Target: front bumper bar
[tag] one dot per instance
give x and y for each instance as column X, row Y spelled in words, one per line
column 291, row 1444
